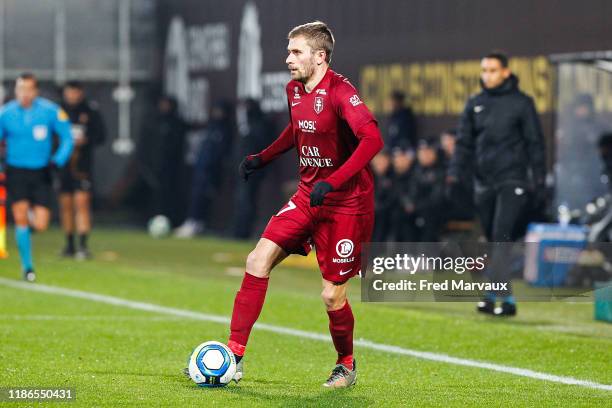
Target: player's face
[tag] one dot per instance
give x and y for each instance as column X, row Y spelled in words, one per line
column 26, row 90
column 492, row 72
column 73, row 96
column 301, row 60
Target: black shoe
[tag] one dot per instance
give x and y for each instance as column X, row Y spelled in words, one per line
column 486, row 306
column 506, row 309
column 29, row 275
column 67, row 252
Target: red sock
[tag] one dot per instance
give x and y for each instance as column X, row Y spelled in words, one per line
column 247, row 306
column 341, row 324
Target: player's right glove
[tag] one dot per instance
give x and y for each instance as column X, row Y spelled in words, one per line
column 318, row 193
column 248, row 165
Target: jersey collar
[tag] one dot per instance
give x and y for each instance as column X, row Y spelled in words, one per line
column 323, row 82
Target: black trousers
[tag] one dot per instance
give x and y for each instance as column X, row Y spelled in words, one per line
column 501, row 210
column 245, row 203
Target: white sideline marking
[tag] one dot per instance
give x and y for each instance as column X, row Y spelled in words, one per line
column 92, row 318
column 443, row 358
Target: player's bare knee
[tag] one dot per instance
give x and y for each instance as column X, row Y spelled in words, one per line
column 332, row 299
column 258, row 264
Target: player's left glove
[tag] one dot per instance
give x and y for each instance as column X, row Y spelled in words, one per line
column 318, row 193
column 248, row 165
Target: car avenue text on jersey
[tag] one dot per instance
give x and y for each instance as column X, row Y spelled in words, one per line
column 310, row 156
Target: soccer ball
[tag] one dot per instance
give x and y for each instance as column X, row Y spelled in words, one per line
column 159, row 226
column 212, row 364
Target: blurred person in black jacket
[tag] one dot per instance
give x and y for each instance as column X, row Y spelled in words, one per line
column 152, row 176
column 401, row 124
column 427, row 187
column 256, row 131
column 500, row 142
column 403, row 219
column 383, row 196
column 459, row 196
column 88, row 132
column 208, row 169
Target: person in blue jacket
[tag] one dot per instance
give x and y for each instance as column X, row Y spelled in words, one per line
column 27, row 125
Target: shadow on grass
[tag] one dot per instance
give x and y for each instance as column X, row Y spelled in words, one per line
column 282, row 393
column 292, row 397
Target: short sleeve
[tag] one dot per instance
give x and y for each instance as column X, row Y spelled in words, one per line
column 350, row 107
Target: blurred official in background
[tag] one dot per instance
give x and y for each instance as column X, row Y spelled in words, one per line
column 151, row 183
column 401, row 124
column 209, row 169
column 88, row 131
column 255, row 132
column 28, row 125
column 500, row 139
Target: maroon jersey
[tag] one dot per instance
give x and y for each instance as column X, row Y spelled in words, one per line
column 325, row 123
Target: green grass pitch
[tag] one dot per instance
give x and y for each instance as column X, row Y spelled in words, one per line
column 115, row 356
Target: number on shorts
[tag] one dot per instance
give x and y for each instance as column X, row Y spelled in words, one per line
column 290, row 206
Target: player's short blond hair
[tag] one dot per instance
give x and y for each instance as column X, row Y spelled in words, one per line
column 318, row 36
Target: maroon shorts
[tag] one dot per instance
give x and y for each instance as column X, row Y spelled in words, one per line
column 337, row 238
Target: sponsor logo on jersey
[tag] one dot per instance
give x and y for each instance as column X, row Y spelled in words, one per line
column 345, row 272
column 318, row 104
column 295, row 103
column 309, row 126
column 311, row 157
column 321, row 92
column 354, row 100
column 344, row 249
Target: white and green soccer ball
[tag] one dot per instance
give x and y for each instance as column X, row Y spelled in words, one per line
column 212, row 364
column 159, row 226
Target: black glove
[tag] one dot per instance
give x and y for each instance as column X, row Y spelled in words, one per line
column 318, row 193
column 248, row 165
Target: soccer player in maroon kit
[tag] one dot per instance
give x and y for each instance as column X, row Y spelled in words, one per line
column 335, row 136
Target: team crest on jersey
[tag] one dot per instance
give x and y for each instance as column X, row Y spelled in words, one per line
column 318, row 104
column 39, row 132
column 61, row 115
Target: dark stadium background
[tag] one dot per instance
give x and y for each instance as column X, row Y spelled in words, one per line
column 372, row 37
